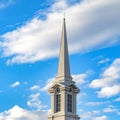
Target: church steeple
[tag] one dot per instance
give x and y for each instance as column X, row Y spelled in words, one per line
column 63, row 90
column 64, row 67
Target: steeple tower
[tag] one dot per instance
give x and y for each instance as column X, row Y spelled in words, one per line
column 64, row 68
column 63, row 90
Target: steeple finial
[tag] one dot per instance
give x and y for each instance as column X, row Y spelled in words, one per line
column 64, row 68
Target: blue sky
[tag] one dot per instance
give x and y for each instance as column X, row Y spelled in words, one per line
column 30, row 34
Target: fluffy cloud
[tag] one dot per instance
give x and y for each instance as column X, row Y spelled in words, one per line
column 106, row 60
column 117, row 100
column 59, row 6
column 79, row 79
column 89, row 115
column 109, row 81
column 15, row 84
column 96, row 103
column 108, row 110
column 91, row 24
column 35, row 87
column 109, row 91
column 101, row 118
column 111, row 109
column 34, row 102
column 17, row 113
column 47, row 84
column 93, row 115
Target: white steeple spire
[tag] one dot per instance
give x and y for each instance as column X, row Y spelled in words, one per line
column 64, row 68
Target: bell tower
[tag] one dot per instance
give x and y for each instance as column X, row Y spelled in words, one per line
column 63, row 90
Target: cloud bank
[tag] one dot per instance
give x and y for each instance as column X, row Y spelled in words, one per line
column 91, row 24
column 108, row 83
column 18, row 113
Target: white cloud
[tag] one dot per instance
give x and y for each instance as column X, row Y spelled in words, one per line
column 17, row 113
column 34, row 102
column 109, row 91
column 79, row 78
column 90, row 25
column 108, row 83
column 96, row 103
column 117, row 100
column 6, row 3
column 35, row 87
column 104, row 61
column 108, row 110
column 15, row 84
column 59, row 6
column 47, row 84
column 111, row 110
column 101, row 118
column 89, row 115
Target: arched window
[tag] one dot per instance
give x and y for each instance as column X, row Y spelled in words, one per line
column 58, row 100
